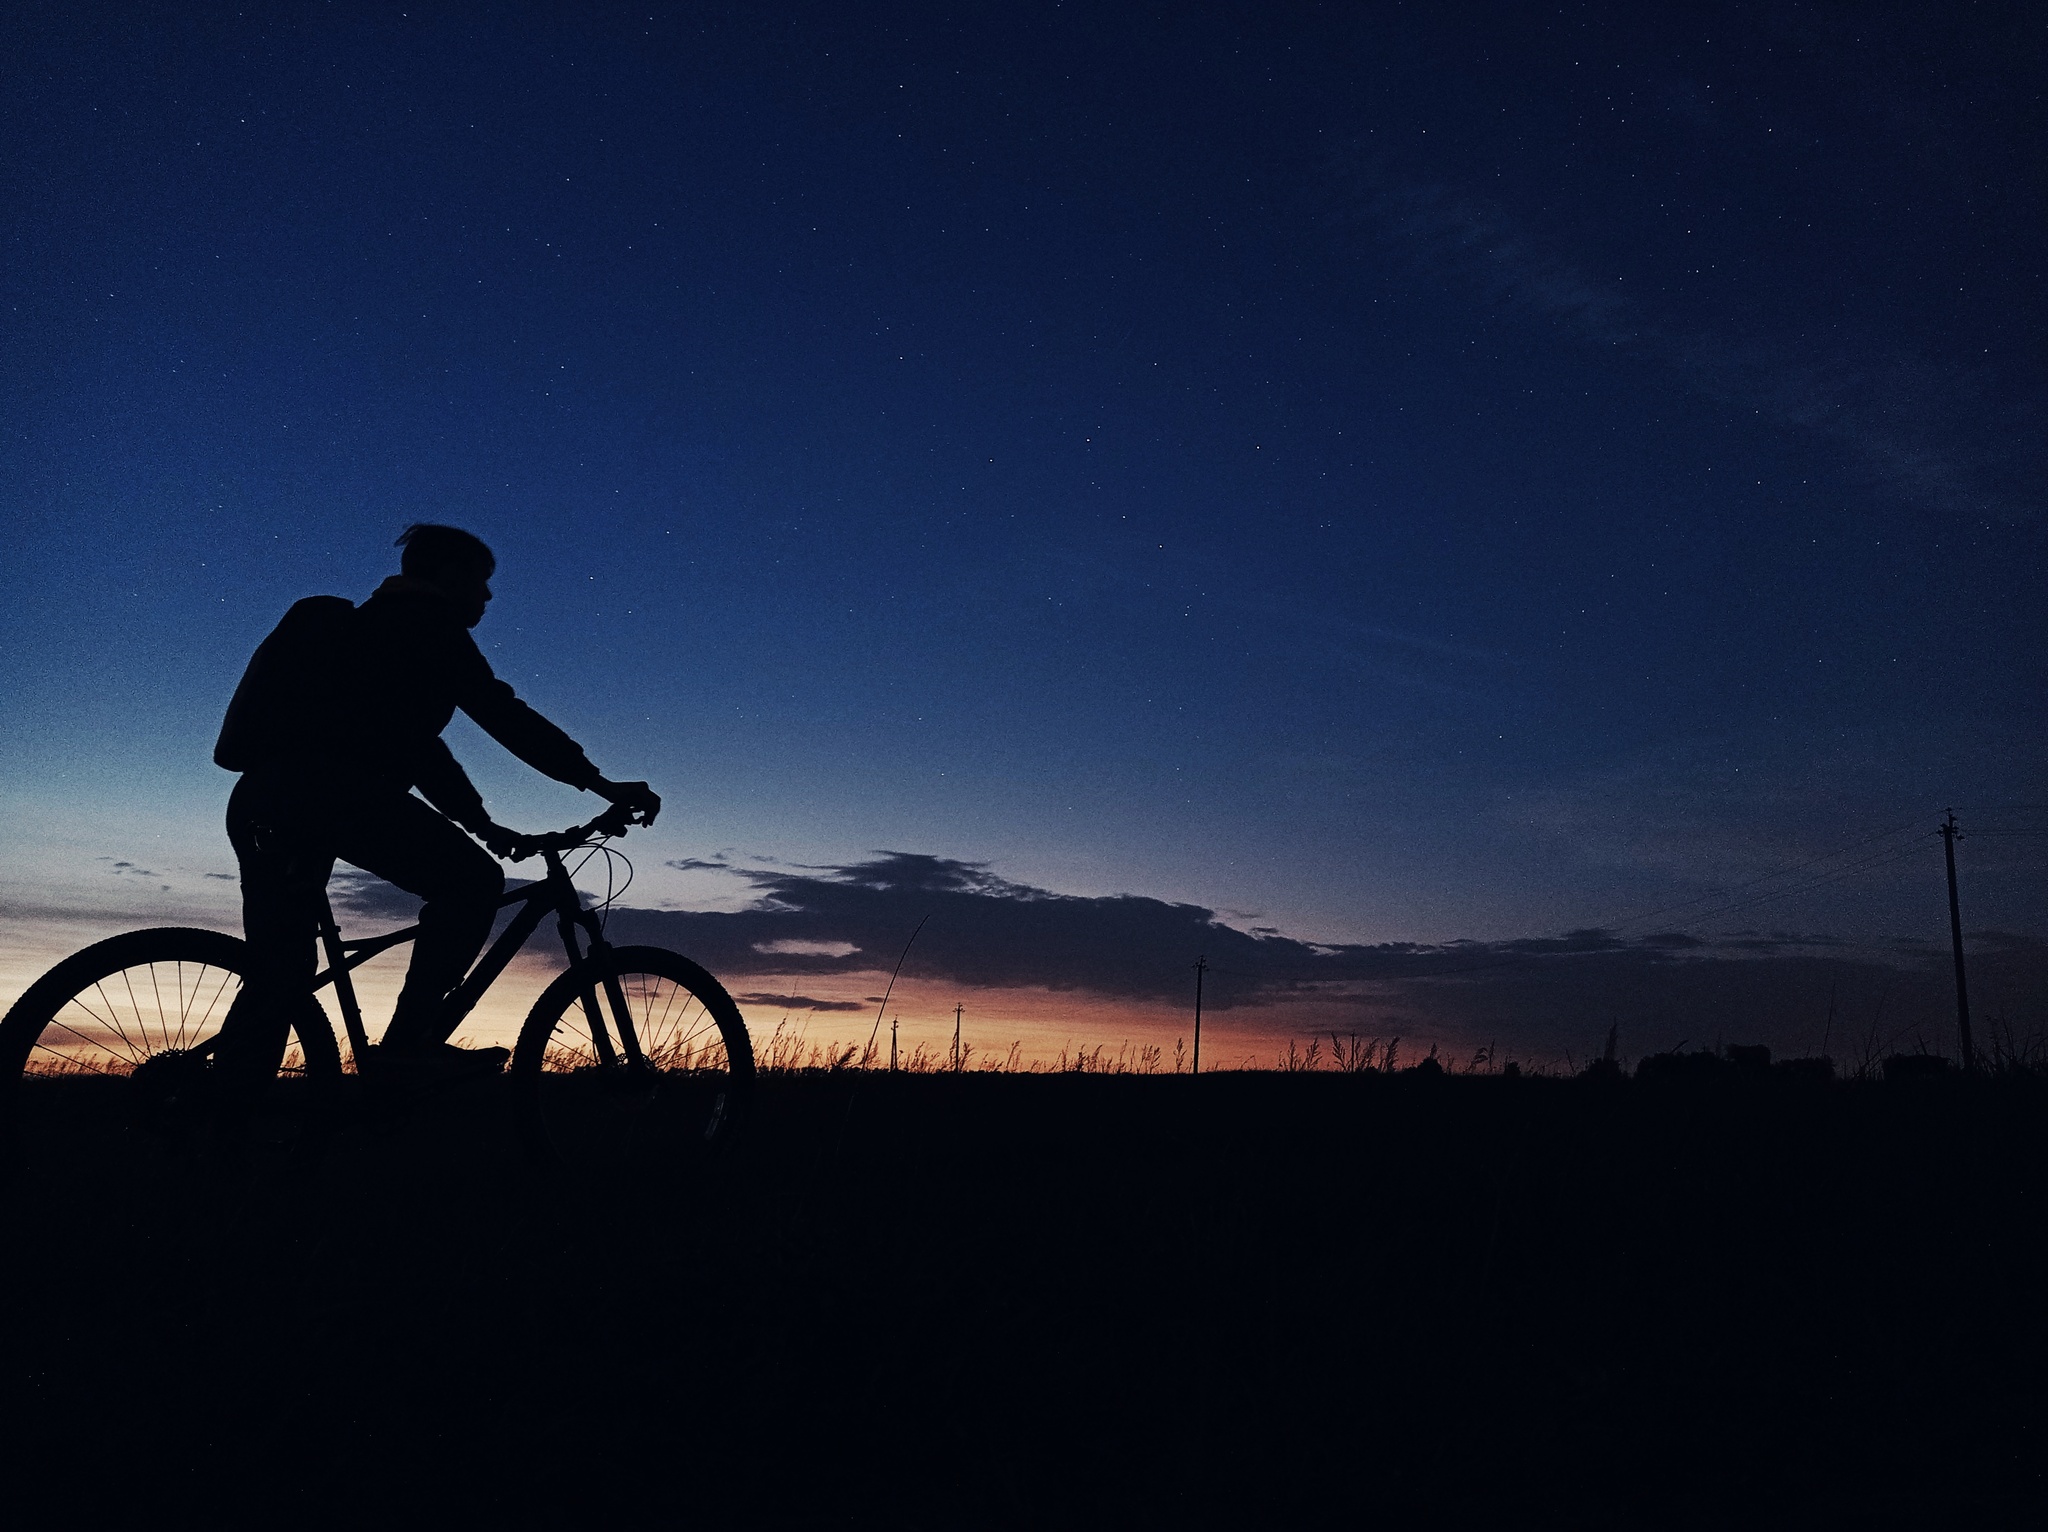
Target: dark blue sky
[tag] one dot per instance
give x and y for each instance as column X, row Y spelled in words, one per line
column 1387, row 472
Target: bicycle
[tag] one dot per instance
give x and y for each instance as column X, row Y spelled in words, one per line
column 628, row 1049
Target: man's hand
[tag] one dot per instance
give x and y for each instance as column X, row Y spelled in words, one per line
column 637, row 798
column 501, row 842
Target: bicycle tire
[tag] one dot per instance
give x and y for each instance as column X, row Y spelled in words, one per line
column 576, row 1110
column 157, row 997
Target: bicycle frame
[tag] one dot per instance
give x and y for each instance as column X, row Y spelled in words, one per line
column 551, row 892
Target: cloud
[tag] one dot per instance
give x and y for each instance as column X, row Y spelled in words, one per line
column 355, row 892
column 798, row 947
column 1543, row 993
column 1542, row 996
column 987, row 931
column 124, row 869
column 368, row 897
column 794, row 1002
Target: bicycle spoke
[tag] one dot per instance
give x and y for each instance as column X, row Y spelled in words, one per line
column 97, row 1041
column 673, row 1029
column 109, row 1003
column 86, row 1038
column 148, row 995
column 70, row 1062
column 157, row 994
column 188, row 998
column 107, row 1023
column 686, row 1092
column 95, row 1015
column 142, row 1015
column 174, row 1035
column 227, row 977
column 188, row 995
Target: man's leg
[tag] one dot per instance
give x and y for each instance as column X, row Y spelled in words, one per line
column 403, row 841
column 281, row 873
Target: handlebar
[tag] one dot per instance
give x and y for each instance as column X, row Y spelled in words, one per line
column 615, row 820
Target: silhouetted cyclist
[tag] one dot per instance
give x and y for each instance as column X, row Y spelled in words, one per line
column 337, row 720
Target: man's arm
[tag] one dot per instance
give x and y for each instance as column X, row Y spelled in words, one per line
column 443, row 783
column 546, row 748
column 521, row 730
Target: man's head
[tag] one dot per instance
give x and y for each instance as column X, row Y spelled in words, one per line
column 454, row 562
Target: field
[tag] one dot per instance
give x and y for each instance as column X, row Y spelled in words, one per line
column 1044, row 1300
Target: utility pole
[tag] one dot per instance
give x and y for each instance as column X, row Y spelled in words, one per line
column 1949, row 836
column 892, row 1042
column 1201, row 967
column 956, row 1037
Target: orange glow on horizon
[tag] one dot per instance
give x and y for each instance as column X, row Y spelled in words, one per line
column 1018, row 1028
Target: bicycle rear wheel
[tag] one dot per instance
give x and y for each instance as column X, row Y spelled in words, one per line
column 145, row 1007
column 586, row 1104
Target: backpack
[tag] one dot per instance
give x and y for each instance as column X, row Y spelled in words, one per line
column 277, row 710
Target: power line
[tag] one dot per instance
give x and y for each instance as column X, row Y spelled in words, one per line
column 1446, row 973
column 1781, row 872
column 1869, row 864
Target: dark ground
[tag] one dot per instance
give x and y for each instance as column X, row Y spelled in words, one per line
column 1040, row 1301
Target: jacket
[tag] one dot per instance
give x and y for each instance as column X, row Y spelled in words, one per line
column 348, row 698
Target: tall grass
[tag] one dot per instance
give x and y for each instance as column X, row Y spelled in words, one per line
column 62, row 1066
column 702, row 1053
column 2004, row 1049
column 786, row 1051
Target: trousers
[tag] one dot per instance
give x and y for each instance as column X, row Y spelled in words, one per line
column 288, row 832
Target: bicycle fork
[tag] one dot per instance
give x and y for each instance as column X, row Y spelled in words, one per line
column 596, row 959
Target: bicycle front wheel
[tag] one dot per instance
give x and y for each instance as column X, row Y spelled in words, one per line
column 144, row 1006
column 673, row 1076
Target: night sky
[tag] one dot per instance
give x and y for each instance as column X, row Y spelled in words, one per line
column 1359, row 492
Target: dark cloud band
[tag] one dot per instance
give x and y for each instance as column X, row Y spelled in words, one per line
column 987, row 931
